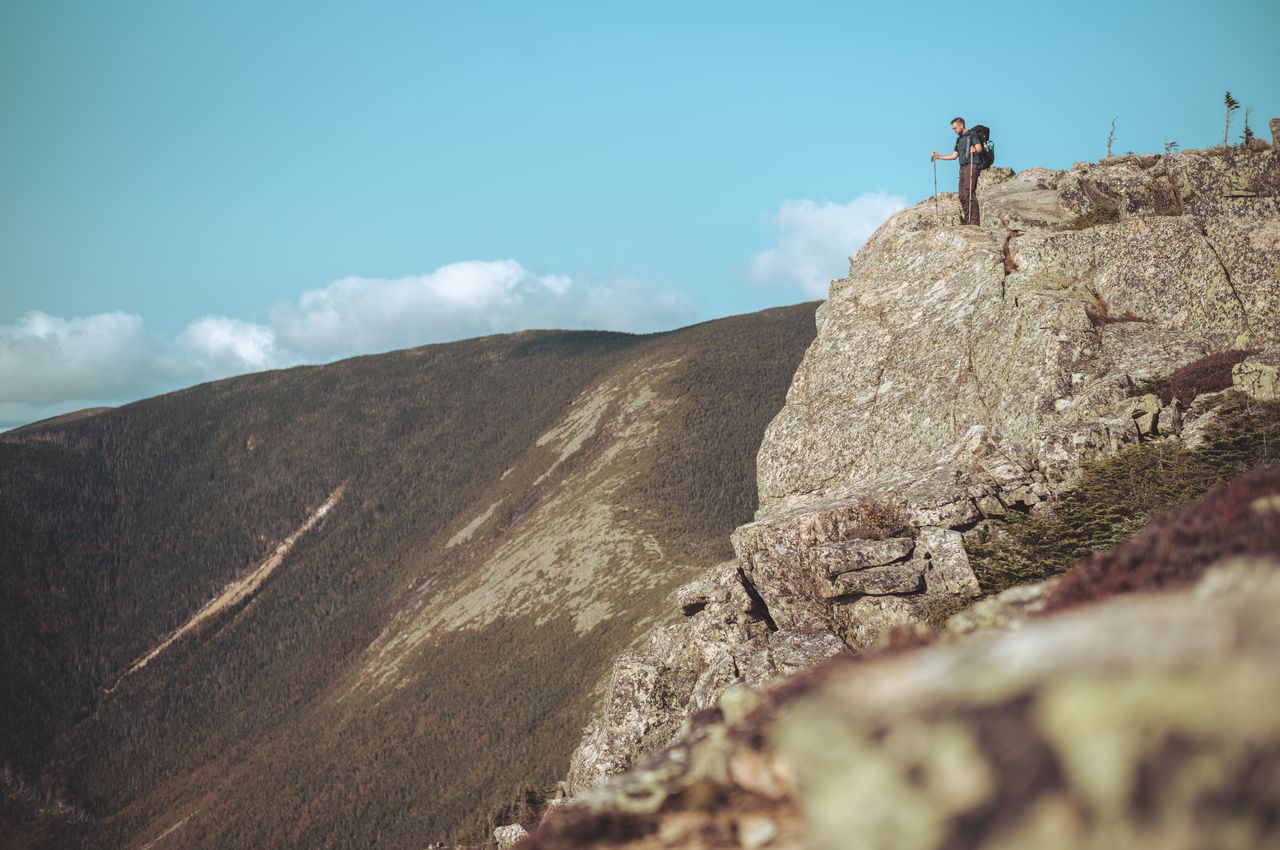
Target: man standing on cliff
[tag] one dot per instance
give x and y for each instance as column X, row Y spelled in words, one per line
column 967, row 145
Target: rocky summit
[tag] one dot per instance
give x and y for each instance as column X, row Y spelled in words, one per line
column 963, row 372
column 963, row 382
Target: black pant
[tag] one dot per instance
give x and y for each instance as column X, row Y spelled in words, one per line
column 969, row 213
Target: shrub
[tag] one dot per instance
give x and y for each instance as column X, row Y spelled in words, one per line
column 1099, row 313
column 1117, row 496
column 1206, row 375
column 1241, row 517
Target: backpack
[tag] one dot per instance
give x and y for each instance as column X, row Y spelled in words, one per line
column 987, row 158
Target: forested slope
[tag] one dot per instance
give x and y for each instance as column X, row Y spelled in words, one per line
column 513, row 511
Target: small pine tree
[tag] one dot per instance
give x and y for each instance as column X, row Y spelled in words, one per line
column 1111, row 137
column 1170, row 147
column 1247, row 136
column 1232, row 105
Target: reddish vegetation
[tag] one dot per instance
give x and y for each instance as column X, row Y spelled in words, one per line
column 1099, row 313
column 1010, row 264
column 1206, row 375
column 1240, row 517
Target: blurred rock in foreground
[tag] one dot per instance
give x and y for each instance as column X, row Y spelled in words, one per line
column 1147, row 721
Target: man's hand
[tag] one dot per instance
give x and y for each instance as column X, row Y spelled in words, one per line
column 934, row 155
column 975, row 148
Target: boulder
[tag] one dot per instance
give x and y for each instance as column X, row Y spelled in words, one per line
column 1257, row 378
column 1200, row 414
column 1006, row 611
column 1141, row 722
column 507, row 836
column 793, row 651
column 1141, row 719
column 878, row 581
column 949, row 573
column 860, row 554
column 1169, row 419
column 726, row 639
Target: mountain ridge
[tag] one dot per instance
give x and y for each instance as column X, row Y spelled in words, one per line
column 194, row 489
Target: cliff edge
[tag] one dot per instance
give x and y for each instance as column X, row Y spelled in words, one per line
column 960, row 377
column 960, row 373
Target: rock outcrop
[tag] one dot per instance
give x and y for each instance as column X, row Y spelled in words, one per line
column 725, row 639
column 1143, row 722
column 508, row 836
column 1005, row 611
column 961, row 374
column 1257, row 378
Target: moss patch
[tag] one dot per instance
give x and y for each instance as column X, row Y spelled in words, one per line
column 1240, row 518
column 1118, row 496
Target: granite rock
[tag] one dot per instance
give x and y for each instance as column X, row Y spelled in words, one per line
column 506, row 837
column 1005, row 611
column 725, row 639
column 937, row 329
column 1258, row 377
column 1140, row 722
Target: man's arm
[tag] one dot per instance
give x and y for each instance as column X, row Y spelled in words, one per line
column 951, row 155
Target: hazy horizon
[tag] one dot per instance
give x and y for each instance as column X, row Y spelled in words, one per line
column 193, row 193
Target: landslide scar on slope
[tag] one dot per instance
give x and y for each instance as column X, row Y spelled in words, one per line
column 237, row 591
column 577, row 553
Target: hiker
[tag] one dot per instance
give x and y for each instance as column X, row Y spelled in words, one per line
column 968, row 145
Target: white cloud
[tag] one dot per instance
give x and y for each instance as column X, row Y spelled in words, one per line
column 51, row 365
column 45, row 358
column 216, row 345
column 815, row 240
column 358, row 314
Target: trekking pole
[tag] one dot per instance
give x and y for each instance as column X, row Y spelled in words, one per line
column 973, row 183
column 936, row 216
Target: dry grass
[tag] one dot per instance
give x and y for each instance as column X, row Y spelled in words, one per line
column 1099, row 313
column 1116, row 497
column 1207, row 375
column 1237, row 518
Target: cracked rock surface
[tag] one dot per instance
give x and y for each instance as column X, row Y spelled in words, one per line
column 931, row 333
column 960, row 374
column 1142, row 722
column 727, row 638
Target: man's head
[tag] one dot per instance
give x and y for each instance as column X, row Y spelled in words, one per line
column 957, row 124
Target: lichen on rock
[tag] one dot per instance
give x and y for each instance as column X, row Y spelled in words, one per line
column 960, row 376
column 726, row 638
column 1142, row 722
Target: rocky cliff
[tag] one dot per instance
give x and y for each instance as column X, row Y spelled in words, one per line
column 1139, row 723
column 963, row 372
column 960, row 377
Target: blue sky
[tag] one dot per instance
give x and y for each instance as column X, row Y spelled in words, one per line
column 195, row 189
